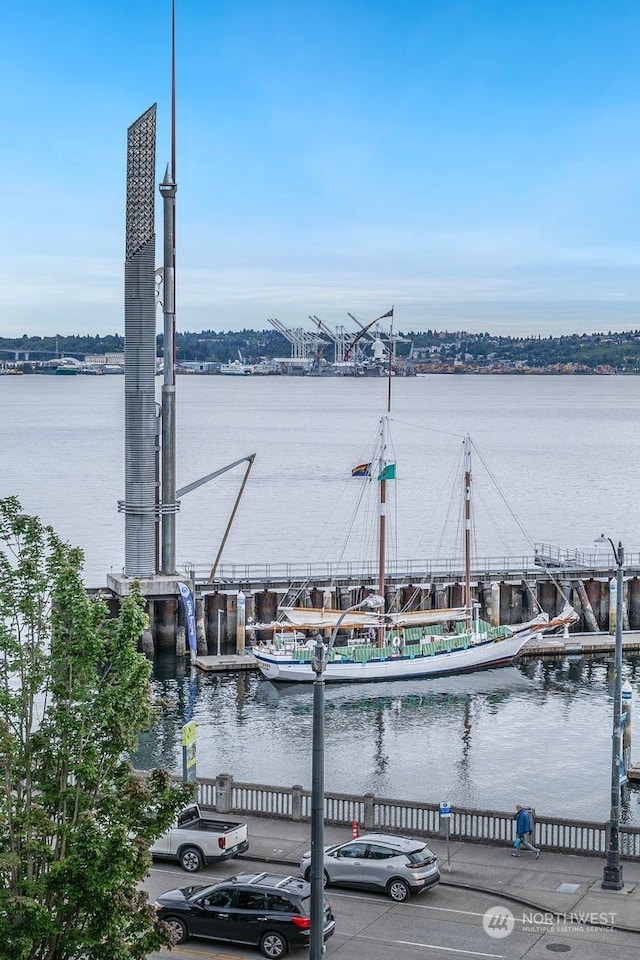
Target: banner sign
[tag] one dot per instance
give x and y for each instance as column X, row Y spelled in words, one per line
column 189, row 751
column 190, row 615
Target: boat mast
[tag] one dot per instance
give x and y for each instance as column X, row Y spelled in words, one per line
column 467, row 530
column 382, row 511
column 382, row 495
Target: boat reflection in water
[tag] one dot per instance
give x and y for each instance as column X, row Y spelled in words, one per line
column 538, row 732
column 407, row 693
column 382, row 704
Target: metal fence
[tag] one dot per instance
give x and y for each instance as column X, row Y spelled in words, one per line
column 362, row 570
column 568, row 563
column 554, row 834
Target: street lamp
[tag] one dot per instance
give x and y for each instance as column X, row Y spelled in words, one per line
column 322, row 654
column 612, row 875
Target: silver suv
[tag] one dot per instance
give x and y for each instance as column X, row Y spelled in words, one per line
column 378, row 861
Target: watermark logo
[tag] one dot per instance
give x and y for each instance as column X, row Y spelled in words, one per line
column 498, row 922
column 540, row 922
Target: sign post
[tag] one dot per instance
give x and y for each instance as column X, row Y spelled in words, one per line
column 445, row 818
column 189, row 751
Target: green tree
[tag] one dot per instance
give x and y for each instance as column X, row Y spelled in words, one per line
column 76, row 822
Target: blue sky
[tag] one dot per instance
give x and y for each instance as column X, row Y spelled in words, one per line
column 474, row 162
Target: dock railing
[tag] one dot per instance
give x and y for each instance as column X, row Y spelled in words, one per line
column 554, row 834
column 417, row 571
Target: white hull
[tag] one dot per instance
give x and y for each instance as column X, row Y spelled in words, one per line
column 280, row 666
column 236, row 369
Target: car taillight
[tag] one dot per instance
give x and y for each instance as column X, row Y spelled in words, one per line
column 222, row 842
column 302, row 923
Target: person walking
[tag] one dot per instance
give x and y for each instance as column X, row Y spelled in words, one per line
column 524, row 829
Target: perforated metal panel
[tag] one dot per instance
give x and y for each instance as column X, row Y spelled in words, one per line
column 140, row 503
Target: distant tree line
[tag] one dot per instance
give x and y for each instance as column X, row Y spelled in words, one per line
column 620, row 351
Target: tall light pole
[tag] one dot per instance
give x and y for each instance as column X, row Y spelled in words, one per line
column 322, row 653
column 612, row 875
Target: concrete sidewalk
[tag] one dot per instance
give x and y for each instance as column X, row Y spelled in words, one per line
column 556, row 883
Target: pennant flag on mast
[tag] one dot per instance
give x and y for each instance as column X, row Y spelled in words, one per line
column 389, row 313
column 388, row 472
column 362, row 470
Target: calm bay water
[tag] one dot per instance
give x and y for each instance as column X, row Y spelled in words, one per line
column 538, row 734
column 566, row 452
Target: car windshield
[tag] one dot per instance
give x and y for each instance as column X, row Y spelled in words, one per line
column 421, row 855
column 202, row 892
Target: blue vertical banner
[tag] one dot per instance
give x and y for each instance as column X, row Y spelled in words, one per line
column 190, row 617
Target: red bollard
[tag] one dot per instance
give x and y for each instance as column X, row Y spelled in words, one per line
column 355, row 833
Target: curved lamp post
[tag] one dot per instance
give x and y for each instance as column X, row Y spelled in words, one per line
column 612, row 874
column 322, row 653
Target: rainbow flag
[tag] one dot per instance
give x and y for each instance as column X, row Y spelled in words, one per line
column 362, row 470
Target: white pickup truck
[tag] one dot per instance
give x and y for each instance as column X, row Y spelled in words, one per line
column 195, row 840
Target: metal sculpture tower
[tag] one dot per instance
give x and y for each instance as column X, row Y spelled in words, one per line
column 140, row 503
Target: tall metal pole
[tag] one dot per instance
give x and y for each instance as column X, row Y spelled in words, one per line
column 612, row 878
column 319, row 663
column 317, row 806
column 168, row 189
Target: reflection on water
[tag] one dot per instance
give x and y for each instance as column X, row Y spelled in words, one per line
column 538, row 733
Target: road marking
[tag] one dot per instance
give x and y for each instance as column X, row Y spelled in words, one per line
column 206, row 956
column 405, row 943
column 418, row 906
column 434, row 946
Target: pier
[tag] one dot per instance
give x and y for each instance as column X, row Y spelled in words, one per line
column 507, row 590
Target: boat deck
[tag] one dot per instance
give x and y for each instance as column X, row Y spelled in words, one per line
column 416, row 642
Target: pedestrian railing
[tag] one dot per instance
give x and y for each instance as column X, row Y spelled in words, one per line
column 554, row 834
column 416, row 570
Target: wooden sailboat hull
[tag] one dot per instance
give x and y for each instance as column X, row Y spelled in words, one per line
column 281, row 666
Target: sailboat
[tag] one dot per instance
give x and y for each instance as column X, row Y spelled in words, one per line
column 387, row 645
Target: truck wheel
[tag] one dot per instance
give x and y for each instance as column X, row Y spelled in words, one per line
column 398, row 890
column 273, row 945
column 191, row 859
column 178, row 929
column 325, row 877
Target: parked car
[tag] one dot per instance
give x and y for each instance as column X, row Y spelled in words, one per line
column 398, row 865
column 195, row 841
column 265, row 910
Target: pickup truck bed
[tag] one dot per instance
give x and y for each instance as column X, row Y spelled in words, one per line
column 195, row 841
column 216, row 826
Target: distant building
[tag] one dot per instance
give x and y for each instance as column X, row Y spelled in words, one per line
column 104, row 359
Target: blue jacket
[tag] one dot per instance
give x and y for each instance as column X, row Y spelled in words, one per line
column 523, row 822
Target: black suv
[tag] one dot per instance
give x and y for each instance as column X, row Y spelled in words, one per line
column 260, row 909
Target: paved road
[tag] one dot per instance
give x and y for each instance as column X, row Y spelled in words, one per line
column 445, row 923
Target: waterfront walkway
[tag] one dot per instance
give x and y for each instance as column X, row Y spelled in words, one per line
column 559, row 884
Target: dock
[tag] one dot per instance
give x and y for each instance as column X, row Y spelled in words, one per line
column 580, row 645
column 227, row 663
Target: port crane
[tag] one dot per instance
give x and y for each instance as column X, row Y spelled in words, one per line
column 304, row 345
